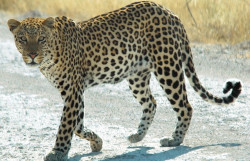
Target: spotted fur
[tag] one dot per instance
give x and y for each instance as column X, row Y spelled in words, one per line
column 130, row 43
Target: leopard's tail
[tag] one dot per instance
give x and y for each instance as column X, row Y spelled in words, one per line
column 235, row 86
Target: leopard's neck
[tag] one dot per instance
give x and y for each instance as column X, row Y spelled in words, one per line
column 64, row 60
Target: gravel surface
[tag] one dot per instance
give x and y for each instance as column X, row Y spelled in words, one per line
column 30, row 110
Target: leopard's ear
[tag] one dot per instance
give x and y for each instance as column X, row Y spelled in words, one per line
column 49, row 22
column 13, row 24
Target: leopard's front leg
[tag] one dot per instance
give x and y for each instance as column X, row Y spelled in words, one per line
column 72, row 103
column 84, row 133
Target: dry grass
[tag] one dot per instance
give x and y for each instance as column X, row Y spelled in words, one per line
column 218, row 21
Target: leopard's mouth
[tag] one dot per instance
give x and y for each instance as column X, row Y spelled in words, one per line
column 32, row 64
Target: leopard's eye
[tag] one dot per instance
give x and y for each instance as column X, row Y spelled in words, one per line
column 41, row 38
column 23, row 38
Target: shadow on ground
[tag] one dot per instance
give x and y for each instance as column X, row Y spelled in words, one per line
column 141, row 152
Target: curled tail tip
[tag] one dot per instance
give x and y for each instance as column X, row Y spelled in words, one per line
column 235, row 85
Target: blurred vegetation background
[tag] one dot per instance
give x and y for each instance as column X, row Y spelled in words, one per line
column 209, row 21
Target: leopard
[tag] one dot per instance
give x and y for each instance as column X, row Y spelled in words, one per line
column 131, row 43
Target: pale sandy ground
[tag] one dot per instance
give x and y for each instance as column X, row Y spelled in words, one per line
column 30, row 110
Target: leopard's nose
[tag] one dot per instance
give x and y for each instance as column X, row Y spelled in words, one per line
column 33, row 55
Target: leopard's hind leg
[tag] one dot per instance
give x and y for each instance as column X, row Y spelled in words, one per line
column 139, row 85
column 172, row 82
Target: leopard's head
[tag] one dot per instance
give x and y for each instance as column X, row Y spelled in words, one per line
column 32, row 38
